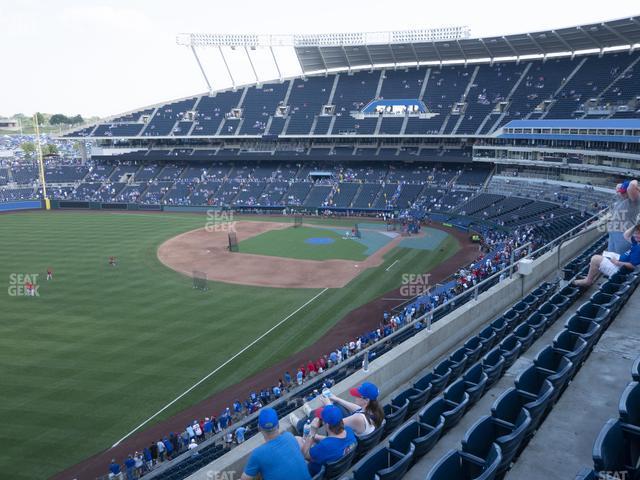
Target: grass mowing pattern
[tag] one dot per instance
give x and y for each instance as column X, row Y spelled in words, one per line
column 290, row 243
column 103, row 348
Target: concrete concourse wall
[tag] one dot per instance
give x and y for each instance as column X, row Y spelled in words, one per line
column 418, row 354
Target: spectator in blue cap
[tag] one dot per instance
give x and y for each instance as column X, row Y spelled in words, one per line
column 279, row 458
column 366, row 414
column 340, row 440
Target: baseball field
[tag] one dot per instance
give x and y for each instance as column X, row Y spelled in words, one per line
column 100, row 350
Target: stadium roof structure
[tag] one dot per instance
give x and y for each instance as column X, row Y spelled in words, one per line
column 324, row 52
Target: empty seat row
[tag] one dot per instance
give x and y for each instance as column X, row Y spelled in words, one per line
column 616, row 451
column 518, row 412
column 451, row 388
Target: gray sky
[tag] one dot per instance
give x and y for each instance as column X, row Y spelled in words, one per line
column 106, row 57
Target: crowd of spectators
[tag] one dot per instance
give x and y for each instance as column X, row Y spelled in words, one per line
column 495, row 256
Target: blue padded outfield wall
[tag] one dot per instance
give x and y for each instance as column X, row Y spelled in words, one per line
column 20, row 205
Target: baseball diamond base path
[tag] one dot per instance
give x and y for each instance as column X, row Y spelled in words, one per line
column 355, row 323
column 207, row 251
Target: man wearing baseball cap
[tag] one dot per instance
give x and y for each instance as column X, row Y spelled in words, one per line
column 340, row 440
column 279, row 458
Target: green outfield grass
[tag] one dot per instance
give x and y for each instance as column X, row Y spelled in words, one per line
column 290, row 243
column 103, row 348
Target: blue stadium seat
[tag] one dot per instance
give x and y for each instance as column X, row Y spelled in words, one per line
column 523, row 309
column 512, row 318
column 384, row 463
column 635, row 370
column 534, row 386
column 590, row 331
column 457, row 362
column 488, row 338
column 550, row 312
column 587, row 474
column 416, row 398
column 612, row 451
column 436, row 407
column 493, row 366
column 561, row 302
column 473, row 347
column 572, row 346
column 510, row 349
column 394, row 416
column 499, row 326
column 538, row 322
column 456, row 400
column 623, row 290
column 488, row 430
column 475, row 381
column 557, row 368
column 422, row 435
column 367, row 442
column 508, row 407
column 334, row 470
column 629, row 408
column 525, row 334
column 441, row 377
column 570, row 292
column 424, row 383
column 597, row 313
column 609, row 301
column 456, row 465
column 320, row 474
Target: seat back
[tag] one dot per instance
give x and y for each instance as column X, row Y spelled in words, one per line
column 367, row 442
column 525, row 334
column 635, row 370
column 479, row 438
column 499, row 326
column 431, row 414
column 507, row 406
column 510, row 349
column 559, row 301
column 320, row 474
column 473, row 347
column 398, row 462
column 394, row 416
column 493, row 365
column 448, row 467
column 333, row 470
column 610, row 451
column 629, row 405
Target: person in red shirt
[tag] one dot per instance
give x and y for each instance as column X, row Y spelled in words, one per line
column 311, row 368
column 49, row 274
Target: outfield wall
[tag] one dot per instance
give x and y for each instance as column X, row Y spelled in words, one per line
column 421, row 352
column 20, row 205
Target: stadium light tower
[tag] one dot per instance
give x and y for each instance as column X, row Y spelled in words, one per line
column 302, row 42
column 47, row 202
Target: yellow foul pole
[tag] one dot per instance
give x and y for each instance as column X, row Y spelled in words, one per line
column 47, row 202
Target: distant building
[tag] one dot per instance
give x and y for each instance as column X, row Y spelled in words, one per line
column 8, row 124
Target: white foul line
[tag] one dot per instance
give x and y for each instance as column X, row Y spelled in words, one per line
column 387, row 269
column 217, row 369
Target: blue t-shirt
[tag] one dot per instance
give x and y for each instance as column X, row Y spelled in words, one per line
column 331, row 449
column 278, row 459
column 633, row 254
column 114, row 468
